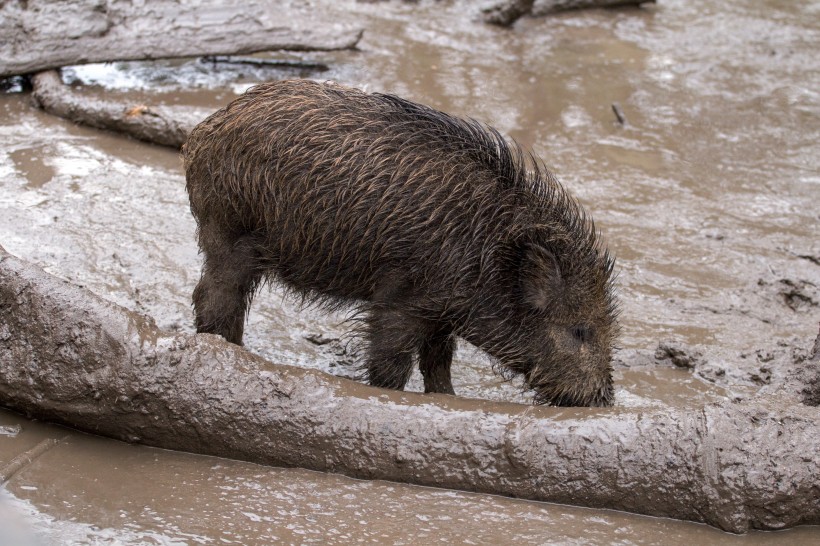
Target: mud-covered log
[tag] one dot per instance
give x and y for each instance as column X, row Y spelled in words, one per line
column 42, row 34
column 69, row 356
column 167, row 126
column 509, row 11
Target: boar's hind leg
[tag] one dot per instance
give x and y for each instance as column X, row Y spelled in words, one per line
column 393, row 340
column 435, row 357
column 230, row 273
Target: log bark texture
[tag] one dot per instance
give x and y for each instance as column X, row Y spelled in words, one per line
column 167, row 126
column 806, row 377
column 69, row 356
column 509, row 11
column 42, row 34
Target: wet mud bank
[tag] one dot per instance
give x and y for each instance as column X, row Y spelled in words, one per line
column 71, row 357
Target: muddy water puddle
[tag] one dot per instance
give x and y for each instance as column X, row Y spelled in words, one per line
column 708, row 196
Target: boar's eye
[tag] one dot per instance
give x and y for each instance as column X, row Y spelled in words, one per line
column 582, row 334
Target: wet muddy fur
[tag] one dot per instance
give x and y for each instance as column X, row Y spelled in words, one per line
column 432, row 226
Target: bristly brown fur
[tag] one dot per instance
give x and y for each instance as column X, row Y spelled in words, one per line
column 433, row 226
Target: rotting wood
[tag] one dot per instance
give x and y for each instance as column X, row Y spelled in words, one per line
column 509, row 11
column 167, row 126
column 71, row 357
column 40, row 34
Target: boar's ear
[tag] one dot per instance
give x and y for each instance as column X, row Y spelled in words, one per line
column 540, row 276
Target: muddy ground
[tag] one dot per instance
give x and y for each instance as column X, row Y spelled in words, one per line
column 708, row 195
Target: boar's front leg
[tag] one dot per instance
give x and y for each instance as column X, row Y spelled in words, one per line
column 435, row 357
column 230, row 274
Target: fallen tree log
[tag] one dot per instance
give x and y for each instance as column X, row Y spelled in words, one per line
column 509, row 11
column 167, row 126
column 71, row 357
column 41, row 34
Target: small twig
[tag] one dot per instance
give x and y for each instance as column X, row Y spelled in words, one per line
column 619, row 113
column 813, row 259
column 273, row 63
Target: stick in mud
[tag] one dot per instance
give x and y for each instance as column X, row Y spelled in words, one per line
column 273, row 63
column 71, row 357
column 619, row 113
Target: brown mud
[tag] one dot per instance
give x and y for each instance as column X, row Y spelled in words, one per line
column 708, row 197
